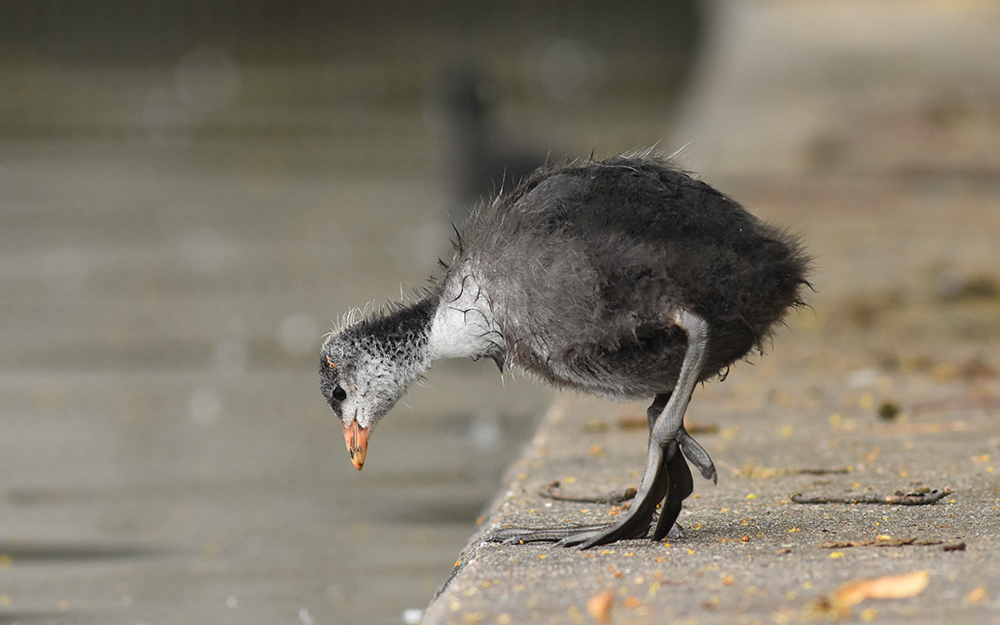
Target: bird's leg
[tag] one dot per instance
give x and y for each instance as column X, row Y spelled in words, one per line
column 694, row 452
column 670, row 424
column 653, row 412
column 670, row 427
column 666, row 474
column 670, row 477
column 677, row 474
column 679, row 482
column 680, row 485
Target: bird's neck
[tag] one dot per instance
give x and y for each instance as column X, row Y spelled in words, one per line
column 463, row 324
column 396, row 344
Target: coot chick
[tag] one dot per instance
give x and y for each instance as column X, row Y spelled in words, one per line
column 624, row 278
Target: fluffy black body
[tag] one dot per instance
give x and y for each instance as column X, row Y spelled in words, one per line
column 582, row 265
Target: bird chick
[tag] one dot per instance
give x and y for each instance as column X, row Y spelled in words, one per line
column 624, row 278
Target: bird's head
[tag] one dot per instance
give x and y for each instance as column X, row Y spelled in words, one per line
column 361, row 380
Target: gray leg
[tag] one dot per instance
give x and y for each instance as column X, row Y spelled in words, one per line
column 663, row 442
column 678, row 476
column 654, row 411
column 672, row 420
column 694, row 452
column 666, row 474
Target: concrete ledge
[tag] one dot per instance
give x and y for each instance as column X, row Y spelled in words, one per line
column 749, row 554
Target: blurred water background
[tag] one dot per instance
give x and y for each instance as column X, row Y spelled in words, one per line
column 191, row 194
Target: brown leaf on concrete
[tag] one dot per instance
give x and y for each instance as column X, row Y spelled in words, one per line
column 978, row 595
column 888, row 587
column 599, row 606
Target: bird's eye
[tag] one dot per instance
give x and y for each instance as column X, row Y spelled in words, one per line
column 339, row 394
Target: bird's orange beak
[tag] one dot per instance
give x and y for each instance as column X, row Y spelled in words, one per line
column 356, row 438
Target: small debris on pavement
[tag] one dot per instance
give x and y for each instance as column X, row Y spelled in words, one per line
column 899, row 498
column 551, row 491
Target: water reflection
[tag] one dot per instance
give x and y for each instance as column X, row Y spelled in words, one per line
column 298, row 334
column 189, row 200
column 204, row 406
column 207, row 250
column 207, row 80
column 230, row 357
column 566, row 70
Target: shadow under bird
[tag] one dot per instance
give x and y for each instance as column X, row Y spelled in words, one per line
column 624, row 278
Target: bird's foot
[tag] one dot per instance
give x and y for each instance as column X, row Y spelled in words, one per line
column 667, row 479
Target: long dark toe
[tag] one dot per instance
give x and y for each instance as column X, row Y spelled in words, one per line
column 697, row 455
column 582, row 539
column 679, row 487
column 518, row 535
column 669, row 466
column 605, row 535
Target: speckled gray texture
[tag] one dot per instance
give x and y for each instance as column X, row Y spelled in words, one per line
column 749, row 553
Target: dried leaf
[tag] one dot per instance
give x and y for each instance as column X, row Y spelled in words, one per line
column 888, row 587
column 977, row 595
column 599, row 606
